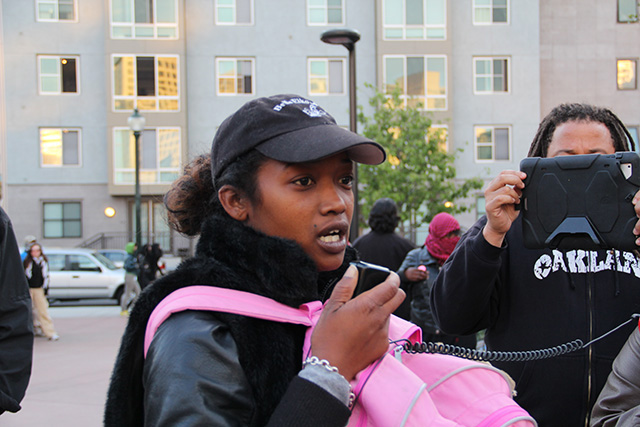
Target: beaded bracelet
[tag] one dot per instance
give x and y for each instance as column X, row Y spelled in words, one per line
column 314, row 360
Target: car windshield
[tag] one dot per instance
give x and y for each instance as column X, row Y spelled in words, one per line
column 114, row 256
column 106, row 261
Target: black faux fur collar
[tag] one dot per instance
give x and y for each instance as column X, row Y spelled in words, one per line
column 230, row 255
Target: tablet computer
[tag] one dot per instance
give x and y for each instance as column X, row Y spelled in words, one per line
column 580, row 201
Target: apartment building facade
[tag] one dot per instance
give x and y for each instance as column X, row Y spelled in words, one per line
column 72, row 71
column 76, row 69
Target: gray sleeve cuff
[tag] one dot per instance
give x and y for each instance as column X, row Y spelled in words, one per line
column 331, row 382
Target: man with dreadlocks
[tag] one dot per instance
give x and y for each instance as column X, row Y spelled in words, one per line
column 532, row 299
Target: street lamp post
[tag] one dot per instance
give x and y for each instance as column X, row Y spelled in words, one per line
column 136, row 124
column 348, row 38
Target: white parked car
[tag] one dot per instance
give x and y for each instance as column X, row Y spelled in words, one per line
column 116, row 256
column 83, row 273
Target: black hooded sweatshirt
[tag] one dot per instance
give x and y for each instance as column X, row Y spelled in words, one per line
column 16, row 331
column 533, row 299
column 230, row 255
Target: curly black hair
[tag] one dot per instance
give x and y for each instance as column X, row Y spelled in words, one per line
column 383, row 217
column 194, row 196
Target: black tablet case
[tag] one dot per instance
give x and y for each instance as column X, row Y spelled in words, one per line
column 580, row 201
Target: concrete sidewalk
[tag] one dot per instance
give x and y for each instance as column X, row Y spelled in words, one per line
column 70, row 377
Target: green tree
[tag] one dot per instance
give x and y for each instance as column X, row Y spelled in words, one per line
column 418, row 174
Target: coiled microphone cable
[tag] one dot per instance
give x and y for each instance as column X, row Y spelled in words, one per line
column 503, row 356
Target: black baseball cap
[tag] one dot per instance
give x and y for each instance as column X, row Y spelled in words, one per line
column 290, row 129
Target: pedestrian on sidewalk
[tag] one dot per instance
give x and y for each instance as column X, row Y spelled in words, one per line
column 36, row 268
column 131, row 285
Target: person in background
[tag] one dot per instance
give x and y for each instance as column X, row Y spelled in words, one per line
column 384, row 247
column 16, row 333
column 529, row 299
column 28, row 241
column 272, row 205
column 421, row 267
column 131, row 286
column 36, row 268
column 148, row 263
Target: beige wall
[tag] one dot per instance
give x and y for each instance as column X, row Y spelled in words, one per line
column 580, row 42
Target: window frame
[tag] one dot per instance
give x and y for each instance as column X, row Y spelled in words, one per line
column 39, row 57
column 403, row 27
column 57, row 3
column 493, row 143
column 492, row 75
column 235, row 19
column 424, row 98
column 342, row 60
column 153, row 25
column 218, row 59
column 61, row 202
column 491, row 9
column 635, row 74
column 136, row 98
column 629, row 21
column 437, row 127
column 326, row 9
column 61, row 165
column 158, row 170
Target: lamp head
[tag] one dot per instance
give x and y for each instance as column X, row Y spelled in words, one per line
column 344, row 36
column 136, row 121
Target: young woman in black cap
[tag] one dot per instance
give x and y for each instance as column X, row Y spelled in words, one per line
column 272, row 205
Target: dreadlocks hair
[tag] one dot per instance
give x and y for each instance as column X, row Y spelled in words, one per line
column 622, row 140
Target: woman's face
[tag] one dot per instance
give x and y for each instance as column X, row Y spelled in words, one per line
column 580, row 137
column 35, row 251
column 311, row 203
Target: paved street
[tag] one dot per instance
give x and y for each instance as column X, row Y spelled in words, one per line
column 70, row 376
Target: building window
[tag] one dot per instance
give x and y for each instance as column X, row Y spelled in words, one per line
column 235, row 76
column 145, row 82
column 234, row 12
column 481, row 209
column 144, row 19
column 62, row 219
column 59, row 147
column 441, row 133
column 159, row 156
column 627, row 11
column 414, row 19
column 325, row 12
column 491, row 75
column 492, row 143
column 56, row 10
column 421, row 79
column 58, row 74
column 326, row 76
column 487, row 12
column 627, row 74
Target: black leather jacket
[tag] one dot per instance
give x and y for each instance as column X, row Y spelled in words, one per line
column 619, row 400
column 221, row 369
column 16, row 333
column 420, row 291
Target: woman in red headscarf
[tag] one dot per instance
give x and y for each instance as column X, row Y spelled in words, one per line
column 421, row 267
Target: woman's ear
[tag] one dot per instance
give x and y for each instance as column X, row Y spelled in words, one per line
column 234, row 203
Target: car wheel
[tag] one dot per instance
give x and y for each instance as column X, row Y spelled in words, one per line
column 118, row 294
